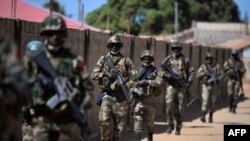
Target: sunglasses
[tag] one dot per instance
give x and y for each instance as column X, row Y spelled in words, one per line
column 176, row 48
column 114, row 45
column 52, row 33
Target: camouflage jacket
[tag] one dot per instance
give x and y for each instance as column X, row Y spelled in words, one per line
column 62, row 62
column 232, row 68
column 152, row 90
column 85, row 86
column 182, row 66
column 123, row 64
column 13, row 81
column 204, row 74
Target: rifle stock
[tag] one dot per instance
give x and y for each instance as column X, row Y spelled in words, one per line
column 119, row 78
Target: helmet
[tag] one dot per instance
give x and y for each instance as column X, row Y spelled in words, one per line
column 53, row 23
column 209, row 55
column 115, row 39
column 174, row 44
column 8, row 46
column 33, row 48
column 234, row 52
column 147, row 53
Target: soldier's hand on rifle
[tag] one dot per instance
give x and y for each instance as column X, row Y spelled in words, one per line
column 142, row 83
column 231, row 73
column 189, row 84
column 167, row 75
column 203, row 80
column 109, row 75
column 115, row 86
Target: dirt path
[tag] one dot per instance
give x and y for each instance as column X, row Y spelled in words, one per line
column 194, row 130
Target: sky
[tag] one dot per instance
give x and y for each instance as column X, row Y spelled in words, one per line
column 71, row 7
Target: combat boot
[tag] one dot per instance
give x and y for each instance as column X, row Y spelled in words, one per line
column 210, row 119
column 234, row 110
column 150, row 136
column 137, row 136
column 178, row 131
column 203, row 117
column 170, row 129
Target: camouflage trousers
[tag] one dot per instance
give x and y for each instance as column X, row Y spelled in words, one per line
column 175, row 101
column 43, row 129
column 112, row 111
column 208, row 99
column 233, row 87
column 9, row 125
column 143, row 112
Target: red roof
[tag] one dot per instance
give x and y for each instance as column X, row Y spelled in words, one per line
column 26, row 11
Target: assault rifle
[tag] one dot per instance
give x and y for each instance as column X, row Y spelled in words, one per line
column 176, row 81
column 62, row 86
column 119, row 78
column 213, row 79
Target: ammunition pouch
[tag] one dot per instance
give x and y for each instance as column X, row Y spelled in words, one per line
column 100, row 97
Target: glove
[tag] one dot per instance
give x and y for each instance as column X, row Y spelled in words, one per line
column 189, row 84
column 203, row 80
column 142, row 83
column 231, row 73
column 109, row 75
column 167, row 75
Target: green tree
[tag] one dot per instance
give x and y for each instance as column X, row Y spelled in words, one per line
column 157, row 16
column 56, row 6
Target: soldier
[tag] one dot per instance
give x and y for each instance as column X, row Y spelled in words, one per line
column 45, row 127
column 179, row 71
column 13, row 90
column 234, row 69
column 81, row 80
column 148, row 82
column 114, row 105
column 209, row 73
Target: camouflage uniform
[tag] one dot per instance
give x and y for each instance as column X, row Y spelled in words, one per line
column 81, row 80
column 209, row 91
column 44, row 125
column 144, row 106
column 234, row 76
column 114, row 105
column 175, row 96
column 13, row 90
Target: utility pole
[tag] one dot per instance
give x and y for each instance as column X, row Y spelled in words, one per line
column 176, row 18
column 246, row 23
column 83, row 15
column 50, row 7
column 129, row 22
column 80, row 10
column 108, row 21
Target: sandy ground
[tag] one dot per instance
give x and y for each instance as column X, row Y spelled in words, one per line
column 194, row 130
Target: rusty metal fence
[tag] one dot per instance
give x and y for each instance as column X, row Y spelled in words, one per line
column 91, row 45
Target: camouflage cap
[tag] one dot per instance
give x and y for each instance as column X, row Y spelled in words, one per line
column 115, row 39
column 234, row 52
column 147, row 53
column 209, row 55
column 53, row 23
column 174, row 44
